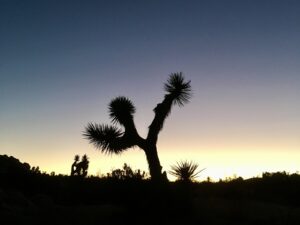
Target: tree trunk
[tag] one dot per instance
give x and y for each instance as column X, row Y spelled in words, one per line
column 153, row 162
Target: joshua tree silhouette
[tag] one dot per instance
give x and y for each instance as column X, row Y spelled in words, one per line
column 110, row 139
column 80, row 168
column 73, row 167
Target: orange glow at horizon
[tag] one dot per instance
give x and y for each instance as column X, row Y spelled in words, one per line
column 218, row 163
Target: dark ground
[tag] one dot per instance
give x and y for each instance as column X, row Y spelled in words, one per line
column 29, row 197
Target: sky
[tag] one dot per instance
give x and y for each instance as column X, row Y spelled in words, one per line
column 61, row 62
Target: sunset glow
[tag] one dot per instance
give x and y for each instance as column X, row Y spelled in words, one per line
column 61, row 62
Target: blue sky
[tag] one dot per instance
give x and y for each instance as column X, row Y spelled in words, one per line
column 61, row 62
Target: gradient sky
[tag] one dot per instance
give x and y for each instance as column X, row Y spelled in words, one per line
column 61, row 62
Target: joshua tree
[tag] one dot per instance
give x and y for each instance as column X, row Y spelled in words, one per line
column 110, row 139
column 84, row 165
column 73, row 167
column 80, row 168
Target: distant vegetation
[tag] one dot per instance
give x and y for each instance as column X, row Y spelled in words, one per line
column 28, row 196
column 80, row 168
column 126, row 173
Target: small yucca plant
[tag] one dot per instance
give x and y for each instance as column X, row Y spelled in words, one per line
column 185, row 171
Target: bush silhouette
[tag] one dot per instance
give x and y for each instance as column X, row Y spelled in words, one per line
column 126, row 173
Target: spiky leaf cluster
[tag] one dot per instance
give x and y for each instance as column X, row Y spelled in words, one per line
column 178, row 89
column 104, row 137
column 185, row 170
column 121, row 110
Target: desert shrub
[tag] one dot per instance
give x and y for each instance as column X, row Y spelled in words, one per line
column 126, row 173
column 185, row 171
